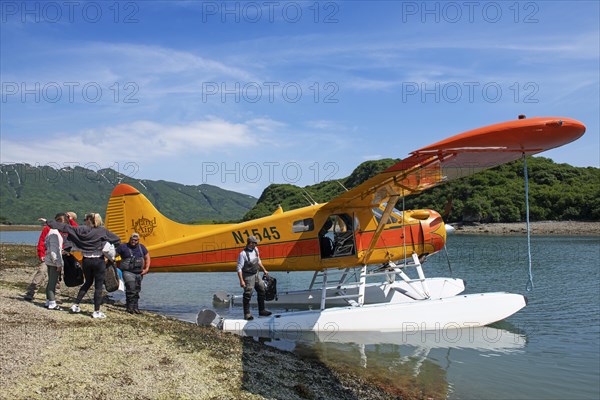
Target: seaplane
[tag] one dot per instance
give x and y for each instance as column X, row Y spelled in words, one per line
column 358, row 245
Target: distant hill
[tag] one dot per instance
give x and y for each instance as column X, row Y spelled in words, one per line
column 291, row 197
column 557, row 192
column 28, row 192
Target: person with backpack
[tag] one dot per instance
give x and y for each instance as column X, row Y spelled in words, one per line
column 248, row 273
column 135, row 263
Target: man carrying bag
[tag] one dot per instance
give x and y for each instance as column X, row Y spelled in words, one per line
column 248, row 273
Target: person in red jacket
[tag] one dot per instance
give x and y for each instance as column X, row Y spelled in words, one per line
column 41, row 272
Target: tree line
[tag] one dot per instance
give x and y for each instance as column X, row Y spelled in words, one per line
column 556, row 192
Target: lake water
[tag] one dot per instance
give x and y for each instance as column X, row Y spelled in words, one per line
column 20, row 237
column 548, row 350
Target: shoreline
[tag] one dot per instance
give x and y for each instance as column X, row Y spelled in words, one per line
column 566, row 228
column 4, row 228
column 46, row 354
column 556, row 228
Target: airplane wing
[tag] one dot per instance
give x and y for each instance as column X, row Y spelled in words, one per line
column 462, row 155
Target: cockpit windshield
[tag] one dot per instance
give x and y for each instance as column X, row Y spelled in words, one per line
column 395, row 216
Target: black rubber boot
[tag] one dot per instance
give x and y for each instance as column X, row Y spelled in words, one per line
column 261, row 307
column 136, row 308
column 247, row 315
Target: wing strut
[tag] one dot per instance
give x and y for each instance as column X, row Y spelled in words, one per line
column 382, row 223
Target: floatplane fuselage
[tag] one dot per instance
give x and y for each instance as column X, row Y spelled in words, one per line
column 307, row 239
column 360, row 228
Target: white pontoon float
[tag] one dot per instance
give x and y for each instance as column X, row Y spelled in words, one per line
column 397, row 304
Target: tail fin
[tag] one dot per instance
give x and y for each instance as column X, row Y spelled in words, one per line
column 129, row 211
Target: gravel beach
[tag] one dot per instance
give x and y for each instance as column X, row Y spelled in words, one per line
column 566, row 228
column 55, row 354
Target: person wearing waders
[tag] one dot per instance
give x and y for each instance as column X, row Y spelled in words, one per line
column 248, row 269
column 135, row 263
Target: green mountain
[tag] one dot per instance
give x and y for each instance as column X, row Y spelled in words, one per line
column 556, row 192
column 291, row 197
column 28, row 192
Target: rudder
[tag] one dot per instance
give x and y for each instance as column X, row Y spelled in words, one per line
column 130, row 211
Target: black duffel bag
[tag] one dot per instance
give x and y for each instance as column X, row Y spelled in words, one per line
column 270, row 287
column 72, row 272
column 111, row 277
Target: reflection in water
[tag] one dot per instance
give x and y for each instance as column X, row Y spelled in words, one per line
column 488, row 338
column 401, row 371
column 405, row 363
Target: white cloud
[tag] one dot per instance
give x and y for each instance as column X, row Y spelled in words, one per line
column 159, row 70
column 324, row 124
column 136, row 141
column 266, row 124
column 369, row 157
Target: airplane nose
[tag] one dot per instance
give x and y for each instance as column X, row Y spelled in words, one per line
column 437, row 231
column 432, row 230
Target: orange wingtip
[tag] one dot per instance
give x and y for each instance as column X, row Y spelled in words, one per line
column 124, row 189
column 528, row 135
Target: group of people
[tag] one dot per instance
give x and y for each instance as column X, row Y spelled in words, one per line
column 63, row 235
column 97, row 246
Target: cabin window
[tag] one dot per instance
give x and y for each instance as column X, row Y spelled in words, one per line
column 303, row 225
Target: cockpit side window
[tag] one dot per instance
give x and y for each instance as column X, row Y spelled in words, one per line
column 303, row 225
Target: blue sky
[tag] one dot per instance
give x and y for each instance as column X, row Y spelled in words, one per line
column 243, row 94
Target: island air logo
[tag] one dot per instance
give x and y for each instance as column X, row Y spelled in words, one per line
column 143, row 226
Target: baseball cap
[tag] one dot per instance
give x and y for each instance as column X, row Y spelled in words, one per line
column 252, row 239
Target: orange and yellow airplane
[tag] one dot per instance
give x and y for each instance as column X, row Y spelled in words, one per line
column 359, row 227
